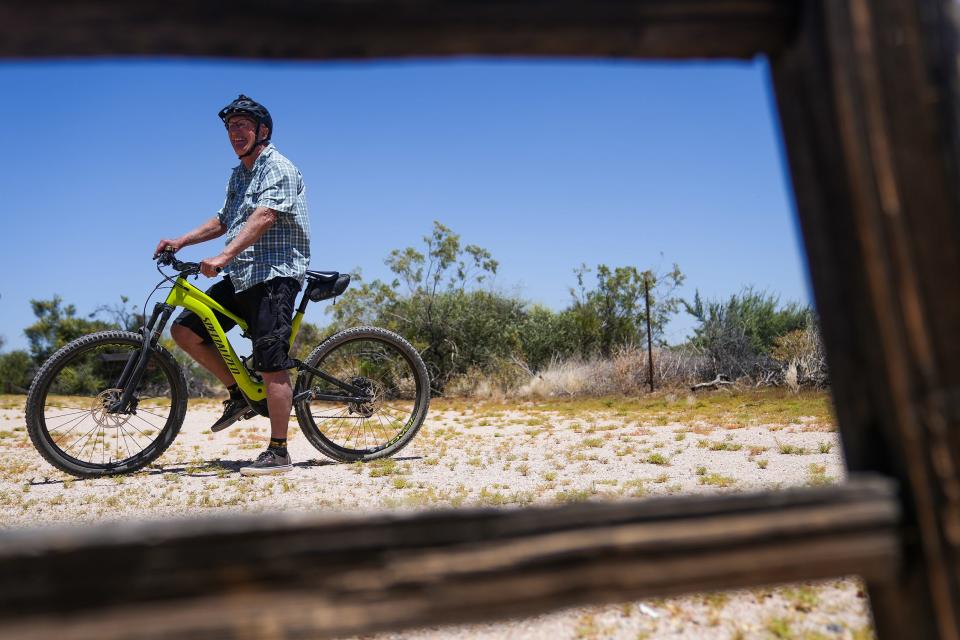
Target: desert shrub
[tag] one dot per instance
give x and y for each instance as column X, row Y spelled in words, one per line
column 56, row 325
column 546, row 336
column 612, row 314
column 801, row 354
column 459, row 331
column 499, row 379
column 737, row 336
column 626, row 372
column 436, row 302
column 16, row 372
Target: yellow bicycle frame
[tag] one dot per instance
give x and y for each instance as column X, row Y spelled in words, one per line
column 183, row 294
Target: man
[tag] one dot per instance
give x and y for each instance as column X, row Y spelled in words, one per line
column 267, row 252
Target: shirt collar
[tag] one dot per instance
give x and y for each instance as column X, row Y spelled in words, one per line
column 262, row 158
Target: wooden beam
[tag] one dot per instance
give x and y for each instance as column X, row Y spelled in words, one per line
column 868, row 105
column 319, row 577
column 358, row 29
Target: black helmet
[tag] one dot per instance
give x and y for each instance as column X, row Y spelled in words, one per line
column 249, row 107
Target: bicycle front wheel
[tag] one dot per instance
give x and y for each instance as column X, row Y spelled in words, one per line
column 68, row 415
column 389, row 371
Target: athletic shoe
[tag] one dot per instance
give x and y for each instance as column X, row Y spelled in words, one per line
column 268, row 462
column 234, row 408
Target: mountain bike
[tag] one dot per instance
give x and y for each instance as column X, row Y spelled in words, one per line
column 112, row 402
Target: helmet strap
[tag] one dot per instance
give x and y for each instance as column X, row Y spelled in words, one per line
column 256, row 140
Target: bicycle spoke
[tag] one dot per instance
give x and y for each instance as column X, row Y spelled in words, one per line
column 394, row 413
column 384, row 430
column 144, row 420
column 164, row 418
column 63, row 436
column 123, row 433
column 84, row 436
column 138, row 428
column 75, row 421
column 64, row 415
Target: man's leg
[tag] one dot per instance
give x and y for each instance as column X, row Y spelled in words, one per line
column 280, row 401
column 205, row 354
column 276, row 459
column 271, row 341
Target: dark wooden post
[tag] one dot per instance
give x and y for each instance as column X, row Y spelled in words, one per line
column 868, row 106
column 646, row 295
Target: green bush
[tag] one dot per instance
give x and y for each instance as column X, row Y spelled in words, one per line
column 56, row 325
column 740, row 335
column 16, row 372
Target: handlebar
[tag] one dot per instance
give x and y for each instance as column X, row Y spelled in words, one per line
column 165, row 258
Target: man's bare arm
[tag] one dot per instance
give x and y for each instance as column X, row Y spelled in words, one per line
column 253, row 229
column 210, row 229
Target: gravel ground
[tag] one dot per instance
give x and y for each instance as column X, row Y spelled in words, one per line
column 473, row 454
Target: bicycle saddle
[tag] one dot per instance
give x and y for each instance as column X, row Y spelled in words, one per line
column 323, row 276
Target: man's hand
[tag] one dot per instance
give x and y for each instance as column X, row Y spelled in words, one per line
column 165, row 244
column 212, row 266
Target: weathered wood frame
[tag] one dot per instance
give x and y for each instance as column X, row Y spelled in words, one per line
column 867, row 95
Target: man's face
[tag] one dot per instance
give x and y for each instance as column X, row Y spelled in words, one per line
column 240, row 130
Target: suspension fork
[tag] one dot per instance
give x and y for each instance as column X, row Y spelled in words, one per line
column 137, row 362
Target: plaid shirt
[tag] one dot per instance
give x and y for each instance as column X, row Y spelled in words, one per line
column 284, row 249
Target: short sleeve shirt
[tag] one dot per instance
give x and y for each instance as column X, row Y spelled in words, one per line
column 284, row 249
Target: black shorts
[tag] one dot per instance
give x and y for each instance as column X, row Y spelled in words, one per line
column 268, row 309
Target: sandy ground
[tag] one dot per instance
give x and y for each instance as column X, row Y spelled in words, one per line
column 471, row 455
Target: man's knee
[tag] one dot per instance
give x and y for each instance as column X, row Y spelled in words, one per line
column 276, row 377
column 184, row 336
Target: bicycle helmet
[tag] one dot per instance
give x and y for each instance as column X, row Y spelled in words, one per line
column 249, row 107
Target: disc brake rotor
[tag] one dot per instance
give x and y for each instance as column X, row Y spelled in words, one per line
column 101, row 410
column 373, row 390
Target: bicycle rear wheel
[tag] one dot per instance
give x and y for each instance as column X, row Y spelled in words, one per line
column 384, row 366
column 67, row 406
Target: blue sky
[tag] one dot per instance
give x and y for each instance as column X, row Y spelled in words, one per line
column 546, row 164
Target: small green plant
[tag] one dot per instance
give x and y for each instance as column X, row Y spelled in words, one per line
column 725, row 446
column 803, row 598
column 633, row 488
column 817, row 475
column 383, row 467
column 657, row 458
column 575, row 495
column 701, row 471
column 779, row 628
column 717, row 480
column 825, row 447
column 762, row 464
column 789, row 449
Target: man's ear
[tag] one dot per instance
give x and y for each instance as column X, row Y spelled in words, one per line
column 264, row 132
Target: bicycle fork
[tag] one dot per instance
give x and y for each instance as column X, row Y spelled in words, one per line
column 137, row 362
